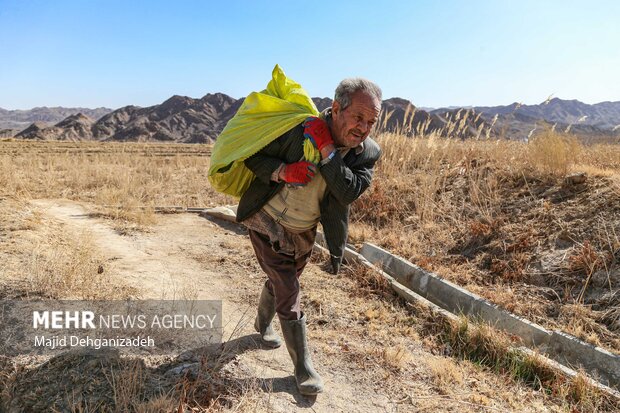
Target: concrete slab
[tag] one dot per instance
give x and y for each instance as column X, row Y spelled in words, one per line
column 597, row 361
column 223, row 212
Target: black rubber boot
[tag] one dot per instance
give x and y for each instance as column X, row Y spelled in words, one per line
column 262, row 324
column 308, row 380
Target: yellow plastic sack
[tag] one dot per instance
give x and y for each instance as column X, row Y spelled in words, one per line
column 262, row 118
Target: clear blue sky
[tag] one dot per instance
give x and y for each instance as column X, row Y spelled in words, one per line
column 435, row 53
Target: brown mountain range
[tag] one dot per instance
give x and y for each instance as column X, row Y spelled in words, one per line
column 187, row 120
column 45, row 116
column 599, row 121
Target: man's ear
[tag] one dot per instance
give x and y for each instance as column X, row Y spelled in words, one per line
column 335, row 107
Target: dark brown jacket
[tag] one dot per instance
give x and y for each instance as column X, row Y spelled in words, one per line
column 347, row 178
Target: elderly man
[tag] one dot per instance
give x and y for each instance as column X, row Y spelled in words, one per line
column 290, row 196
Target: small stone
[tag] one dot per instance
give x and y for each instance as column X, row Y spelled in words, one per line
column 575, row 179
column 188, row 369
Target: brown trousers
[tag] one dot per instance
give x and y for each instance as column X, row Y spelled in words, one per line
column 283, row 271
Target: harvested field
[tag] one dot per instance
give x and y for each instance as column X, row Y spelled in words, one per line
column 486, row 215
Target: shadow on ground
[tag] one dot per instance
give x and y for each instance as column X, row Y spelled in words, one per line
column 104, row 380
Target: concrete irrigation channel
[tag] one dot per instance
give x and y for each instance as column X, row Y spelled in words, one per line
column 561, row 347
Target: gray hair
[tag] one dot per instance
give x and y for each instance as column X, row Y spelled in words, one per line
column 349, row 86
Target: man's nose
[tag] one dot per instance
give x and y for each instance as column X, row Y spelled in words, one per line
column 362, row 126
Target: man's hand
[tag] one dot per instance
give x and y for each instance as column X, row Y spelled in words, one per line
column 298, row 173
column 317, row 131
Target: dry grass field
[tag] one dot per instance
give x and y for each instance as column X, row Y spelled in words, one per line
column 532, row 227
column 115, row 176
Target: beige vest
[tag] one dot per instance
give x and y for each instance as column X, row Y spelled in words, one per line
column 297, row 207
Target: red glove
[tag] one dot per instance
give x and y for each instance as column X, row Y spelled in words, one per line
column 317, row 131
column 298, row 173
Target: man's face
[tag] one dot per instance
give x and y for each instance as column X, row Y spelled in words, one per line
column 352, row 125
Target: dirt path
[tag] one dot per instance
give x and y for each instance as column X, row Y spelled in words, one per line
column 187, row 256
column 369, row 350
